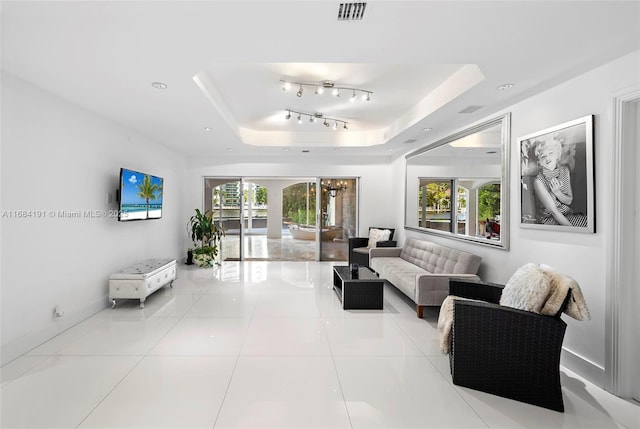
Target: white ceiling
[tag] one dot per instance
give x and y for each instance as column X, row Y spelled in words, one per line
column 425, row 61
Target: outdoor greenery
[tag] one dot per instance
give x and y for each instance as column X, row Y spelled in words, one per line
column 294, row 203
column 149, row 191
column 260, row 195
column 489, row 201
column 438, row 196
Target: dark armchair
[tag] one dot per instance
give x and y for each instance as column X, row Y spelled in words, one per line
column 359, row 250
column 504, row 351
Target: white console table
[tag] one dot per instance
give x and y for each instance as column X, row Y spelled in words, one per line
column 141, row 280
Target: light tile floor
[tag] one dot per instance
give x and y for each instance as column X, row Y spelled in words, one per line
column 266, row 345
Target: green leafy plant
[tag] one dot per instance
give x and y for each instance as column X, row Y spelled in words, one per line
column 204, row 233
column 149, row 191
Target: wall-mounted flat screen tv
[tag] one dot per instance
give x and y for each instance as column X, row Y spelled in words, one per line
column 140, row 196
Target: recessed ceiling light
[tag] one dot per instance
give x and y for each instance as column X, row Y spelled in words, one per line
column 427, row 129
column 305, row 151
column 286, row 149
column 505, row 86
column 229, row 149
column 208, row 128
column 159, row 85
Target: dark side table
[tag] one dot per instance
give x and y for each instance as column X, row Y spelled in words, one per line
column 361, row 292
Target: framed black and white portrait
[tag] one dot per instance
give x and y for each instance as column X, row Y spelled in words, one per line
column 557, row 179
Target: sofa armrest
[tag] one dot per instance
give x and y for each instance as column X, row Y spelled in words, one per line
column 387, row 243
column 384, row 252
column 433, row 288
column 483, row 291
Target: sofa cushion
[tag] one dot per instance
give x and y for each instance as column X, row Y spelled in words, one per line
column 400, row 273
column 376, row 235
column 438, row 259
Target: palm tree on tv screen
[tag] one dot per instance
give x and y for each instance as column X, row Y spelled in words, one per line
column 148, row 190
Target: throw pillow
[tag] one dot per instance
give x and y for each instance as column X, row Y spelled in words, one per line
column 376, row 235
column 560, row 286
column 527, row 289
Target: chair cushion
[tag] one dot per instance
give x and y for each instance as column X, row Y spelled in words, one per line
column 376, row 235
column 527, row 289
column 542, row 289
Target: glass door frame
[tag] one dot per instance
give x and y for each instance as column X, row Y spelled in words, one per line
column 318, row 212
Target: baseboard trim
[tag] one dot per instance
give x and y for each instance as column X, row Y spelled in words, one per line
column 584, row 368
column 22, row 345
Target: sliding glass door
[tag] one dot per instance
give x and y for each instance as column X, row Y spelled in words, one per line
column 223, row 197
column 338, row 214
column 283, row 218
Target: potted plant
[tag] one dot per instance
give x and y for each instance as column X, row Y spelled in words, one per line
column 206, row 236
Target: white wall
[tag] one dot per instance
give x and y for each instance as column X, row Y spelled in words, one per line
column 583, row 256
column 57, row 156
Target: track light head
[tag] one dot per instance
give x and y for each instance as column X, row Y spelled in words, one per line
column 326, row 124
column 336, row 92
column 319, row 90
column 335, row 125
column 367, row 97
column 286, row 86
column 353, row 96
column 299, row 93
column 288, row 115
column 299, row 118
column 345, row 126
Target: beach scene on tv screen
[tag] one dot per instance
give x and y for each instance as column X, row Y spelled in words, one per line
column 141, row 196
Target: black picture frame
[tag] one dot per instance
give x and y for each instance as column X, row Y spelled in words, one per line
column 557, row 177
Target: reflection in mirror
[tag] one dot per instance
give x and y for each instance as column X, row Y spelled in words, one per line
column 458, row 186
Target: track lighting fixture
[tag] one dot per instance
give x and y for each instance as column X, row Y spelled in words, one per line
column 313, row 117
column 319, row 87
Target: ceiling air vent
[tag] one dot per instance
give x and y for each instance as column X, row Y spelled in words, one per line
column 351, row 11
column 411, row 141
column 470, row 109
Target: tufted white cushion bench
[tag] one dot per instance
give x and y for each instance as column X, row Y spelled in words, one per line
column 141, row 280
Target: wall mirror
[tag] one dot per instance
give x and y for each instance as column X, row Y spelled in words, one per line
column 459, row 186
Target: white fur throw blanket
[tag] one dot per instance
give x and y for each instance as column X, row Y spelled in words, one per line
column 542, row 289
column 445, row 321
column 536, row 288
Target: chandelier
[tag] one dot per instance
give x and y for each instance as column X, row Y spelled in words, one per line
column 317, row 117
column 333, row 188
column 320, row 87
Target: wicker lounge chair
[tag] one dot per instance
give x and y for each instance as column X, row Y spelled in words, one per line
column 504, row 351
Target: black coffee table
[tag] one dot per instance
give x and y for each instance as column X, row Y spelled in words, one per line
column 361, row 293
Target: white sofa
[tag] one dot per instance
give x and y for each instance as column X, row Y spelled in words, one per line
column 422, row 269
